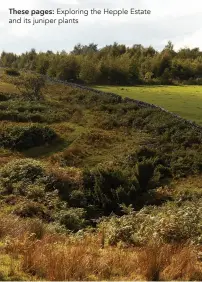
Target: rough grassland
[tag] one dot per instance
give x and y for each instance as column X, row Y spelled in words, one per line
column 6, row 87
column 96, row 165
column 185, row 101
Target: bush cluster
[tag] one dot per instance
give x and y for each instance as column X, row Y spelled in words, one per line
column 167, row 224
column 106, row 188
column 12, row 72
column 21, row 110
column 25, row 137
column 41, row 194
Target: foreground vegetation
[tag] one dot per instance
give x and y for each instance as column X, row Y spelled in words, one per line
column 88, row 180
column 32, row 251
column 182, row 100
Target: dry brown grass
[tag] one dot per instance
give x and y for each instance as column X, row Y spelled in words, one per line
column 56, row 257
column 13, row 227
column 183, row 266
column 72, row 151
column 69, row 174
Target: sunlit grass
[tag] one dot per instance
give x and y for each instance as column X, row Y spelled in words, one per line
column 7, row 87
column 183, row 100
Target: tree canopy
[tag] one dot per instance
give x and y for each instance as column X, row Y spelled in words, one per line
column 114, row 64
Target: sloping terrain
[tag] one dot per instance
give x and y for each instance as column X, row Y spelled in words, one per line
column 183, row 100
column 75, row 156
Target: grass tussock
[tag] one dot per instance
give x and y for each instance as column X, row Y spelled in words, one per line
column 32, row 250
column 85, row 260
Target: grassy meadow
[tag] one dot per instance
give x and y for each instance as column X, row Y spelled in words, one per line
column 185, row 101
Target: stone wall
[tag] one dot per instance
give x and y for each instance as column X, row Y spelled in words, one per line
column 120, row 99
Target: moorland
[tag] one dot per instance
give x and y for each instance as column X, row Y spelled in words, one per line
column 94, row 186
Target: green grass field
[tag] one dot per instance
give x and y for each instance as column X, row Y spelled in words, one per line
column 185, row 101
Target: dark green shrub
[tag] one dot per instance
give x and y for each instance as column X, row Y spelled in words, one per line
column 36, row 192
column 187, row 139
column 107, row 188
column 73, row 218
column 4, row 96
column 26, row 171
column 12, row 72
column 33, row 209
column 145, row 173
column 28, row 178
column 22, row 138
column 184, row 163
column 150, row 168
column 77, row 198
column 145, row 153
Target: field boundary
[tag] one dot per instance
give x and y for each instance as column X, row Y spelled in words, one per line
column 121, row 99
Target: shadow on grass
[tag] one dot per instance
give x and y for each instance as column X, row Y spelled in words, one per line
column 46, row 150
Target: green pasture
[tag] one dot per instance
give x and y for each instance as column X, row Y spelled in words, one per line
column 185, row 101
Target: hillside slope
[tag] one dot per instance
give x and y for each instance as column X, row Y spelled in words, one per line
column 77, row 155
column 183, row 100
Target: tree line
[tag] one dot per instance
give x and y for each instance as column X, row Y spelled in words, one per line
column 114, row 64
